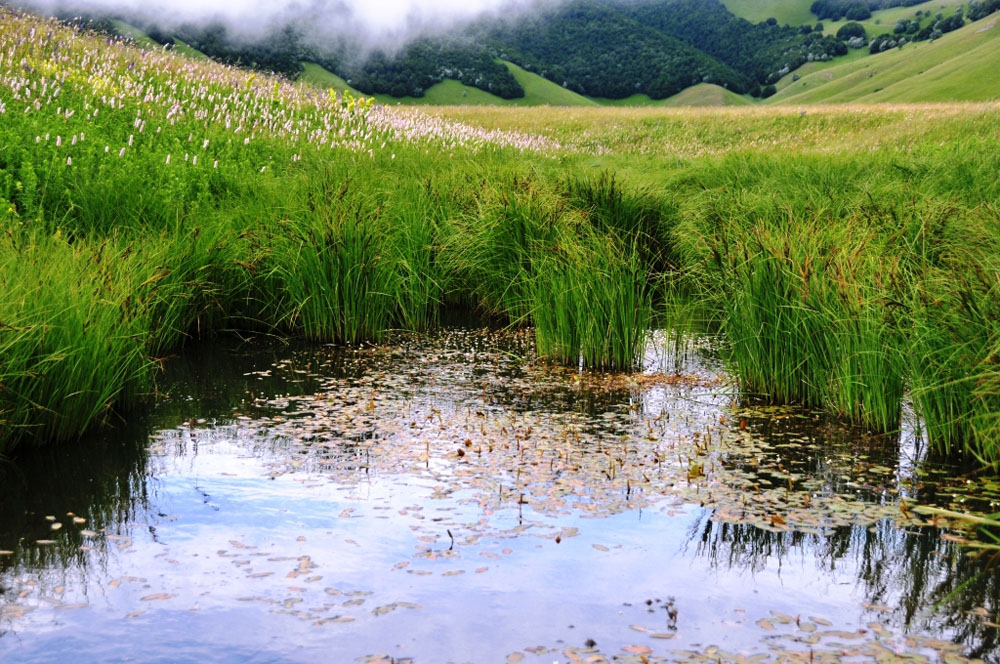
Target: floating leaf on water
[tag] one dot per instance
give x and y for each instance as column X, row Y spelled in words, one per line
column 663, row 635
column 877, row 607
column 56, row 526
column 88, row 533
column 382, row 610
column 78, row 520
column 158, row 597
column 638, row 650
column 640, row 628
column 45, row 542
column 764, row 623
column 600, row 547
column 515, row 657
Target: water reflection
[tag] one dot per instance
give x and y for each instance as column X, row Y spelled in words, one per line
column 350, row 498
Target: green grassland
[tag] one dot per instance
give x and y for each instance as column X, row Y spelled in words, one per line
column 188, row 51
column 791, row 12
column 960, row 66
column 846, row 254
column 323, row 78
column 135, row 34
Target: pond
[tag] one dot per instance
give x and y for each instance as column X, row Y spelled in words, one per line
column 448, row 498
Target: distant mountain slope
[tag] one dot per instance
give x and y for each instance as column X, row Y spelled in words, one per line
column 135, row 34
column 322, row 78
column 760, row 51
column 883, row 20
column 606, row 48
column 963, row 65
column 596, row 48
column 537, row 90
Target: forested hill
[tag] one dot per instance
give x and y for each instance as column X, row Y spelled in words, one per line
column 595, row 48
column 760, row 51
column 600, row 48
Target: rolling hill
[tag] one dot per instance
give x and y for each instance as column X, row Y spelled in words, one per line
column 960, row 66
column 449, row 92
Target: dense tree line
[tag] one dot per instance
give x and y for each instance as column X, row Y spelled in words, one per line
column 855, row 10
column 279, row 51
column 982, row 9
column 906, row 31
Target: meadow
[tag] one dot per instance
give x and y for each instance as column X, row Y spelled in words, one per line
column 847, row 254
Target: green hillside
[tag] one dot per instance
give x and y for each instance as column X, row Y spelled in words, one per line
column 706, row 94
column 792, row 12
column 813, row 67
column 703, row 94
column 960, row 66
column 184, row 49
column 323, row 78
column 537, row 91
column 884, row 19
column 135, row 34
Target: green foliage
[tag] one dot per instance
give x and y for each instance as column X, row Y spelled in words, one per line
column 851, row 29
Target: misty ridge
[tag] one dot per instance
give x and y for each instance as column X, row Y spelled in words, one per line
column 602, row 49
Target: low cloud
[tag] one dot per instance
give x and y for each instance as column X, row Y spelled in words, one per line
column 372, row 23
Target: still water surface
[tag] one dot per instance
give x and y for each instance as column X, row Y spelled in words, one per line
column 446, row 498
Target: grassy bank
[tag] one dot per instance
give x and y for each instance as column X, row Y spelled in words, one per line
column 146, row 198
column 847, row 254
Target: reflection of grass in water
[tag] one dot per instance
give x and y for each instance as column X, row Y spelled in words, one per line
column 916, row 580
column 107, row 487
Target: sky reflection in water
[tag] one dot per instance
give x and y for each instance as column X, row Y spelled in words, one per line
column 445, row 498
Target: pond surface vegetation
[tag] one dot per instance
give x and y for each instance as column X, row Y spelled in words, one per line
column 448, row 498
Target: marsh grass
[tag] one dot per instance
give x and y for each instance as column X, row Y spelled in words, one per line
column 845, row 253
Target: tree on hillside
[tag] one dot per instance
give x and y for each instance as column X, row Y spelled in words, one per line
column 850, row 30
